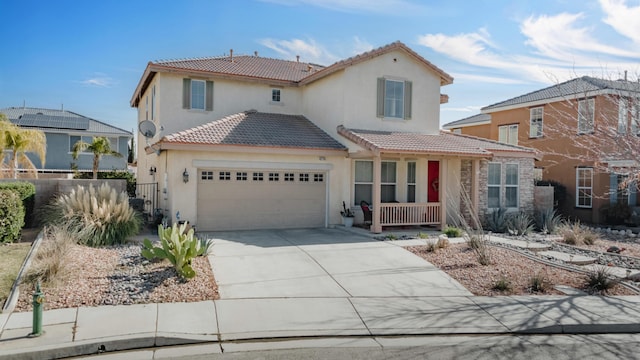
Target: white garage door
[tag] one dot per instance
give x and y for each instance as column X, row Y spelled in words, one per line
column 259, row 199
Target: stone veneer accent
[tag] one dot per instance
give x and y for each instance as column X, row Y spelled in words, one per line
column 525, row 189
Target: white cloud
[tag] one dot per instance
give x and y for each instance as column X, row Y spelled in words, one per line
column 360, row 46
column 622, row 18
column 309, row 50
column 98, row 80
column 559, row 37
column 396, row 7
column 463, row 77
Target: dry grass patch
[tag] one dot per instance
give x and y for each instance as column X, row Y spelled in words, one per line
column 12, row 256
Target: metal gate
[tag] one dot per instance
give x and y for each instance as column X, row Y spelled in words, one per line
column 148, row 193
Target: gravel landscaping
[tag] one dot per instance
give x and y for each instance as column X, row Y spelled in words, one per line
column 459, row 261
column 119, row 275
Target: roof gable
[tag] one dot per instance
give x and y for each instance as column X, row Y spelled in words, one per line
column 255, row 68
column 478, row 119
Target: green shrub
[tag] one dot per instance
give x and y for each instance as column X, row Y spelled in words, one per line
column 599, row 281
column 27, row 193
column 11, row 216
column 176, row 246
column 96, row 217
column 496, row 221
column 519, row 224
column 452, row 231
column 617, row 214
column 547, row 221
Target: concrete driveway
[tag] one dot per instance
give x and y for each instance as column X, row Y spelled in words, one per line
column 321, row 263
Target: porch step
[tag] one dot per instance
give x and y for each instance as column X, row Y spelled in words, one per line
column 568, row 258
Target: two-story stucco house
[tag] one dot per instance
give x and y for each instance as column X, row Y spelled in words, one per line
column 587, row 130
column 63, row 129
column 246, row 142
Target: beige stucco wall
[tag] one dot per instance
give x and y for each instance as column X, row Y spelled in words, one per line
column 183, row 197
column 349, row 97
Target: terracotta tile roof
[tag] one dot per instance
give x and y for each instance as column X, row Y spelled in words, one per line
column 251, row 128
column 445, row 78
column 583, row 86
column 444, row 143
column 243, row 65
column 267, row 69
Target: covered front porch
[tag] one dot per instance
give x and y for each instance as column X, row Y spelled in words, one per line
column 415, row 180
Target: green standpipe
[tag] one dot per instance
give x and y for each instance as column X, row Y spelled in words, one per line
column 38, row 300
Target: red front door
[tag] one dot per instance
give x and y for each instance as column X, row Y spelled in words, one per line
column 433, row 181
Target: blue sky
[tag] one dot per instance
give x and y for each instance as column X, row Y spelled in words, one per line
column 90, row 55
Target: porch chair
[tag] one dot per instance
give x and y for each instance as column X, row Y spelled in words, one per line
column 366, row 211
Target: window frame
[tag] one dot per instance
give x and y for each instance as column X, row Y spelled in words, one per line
column 579, row 187
column 365, row 182
column 497, row 185
column 192, row 95
column 276, row 95
column 411, row 184
column 583, row 112
column 393, row 99
column 539, row 118
column 515, row 186
column 623, row 116
column 508, row 133
column 388, row 183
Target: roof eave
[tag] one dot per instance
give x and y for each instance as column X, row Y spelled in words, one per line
column 455, row 126
column 185, row 146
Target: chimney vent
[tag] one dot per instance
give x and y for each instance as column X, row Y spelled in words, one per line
column 309, row 68
column 231, row 55
column 255, row 53
column 297, row 58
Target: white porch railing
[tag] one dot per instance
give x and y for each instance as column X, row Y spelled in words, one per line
column 392, row 214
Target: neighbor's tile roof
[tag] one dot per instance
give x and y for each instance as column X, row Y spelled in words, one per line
column 251, row 128
column 582, row 85
column 50, row 119
column 444, row 143
column 478, row 118
column 243, row 65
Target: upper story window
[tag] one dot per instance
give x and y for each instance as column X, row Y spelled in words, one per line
column 635, row 118
column 535, row 122
column 275, row 95
column 394, row 99
column 586, row 115
column 197, row 94
column 622, row 116
column 508, row 134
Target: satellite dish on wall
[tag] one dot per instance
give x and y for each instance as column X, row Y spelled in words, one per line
column 147, row 129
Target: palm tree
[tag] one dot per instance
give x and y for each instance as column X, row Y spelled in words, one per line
column 20, row 141
column 99, row 146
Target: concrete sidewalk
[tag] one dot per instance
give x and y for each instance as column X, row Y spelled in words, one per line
column 89, row 330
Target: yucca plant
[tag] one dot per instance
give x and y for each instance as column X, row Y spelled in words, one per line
column 496, row 220
column 95, row 217
column 548, row 221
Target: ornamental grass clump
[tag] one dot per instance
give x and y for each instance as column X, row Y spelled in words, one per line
column 95, row 217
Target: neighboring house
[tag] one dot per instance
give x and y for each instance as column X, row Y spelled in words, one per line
column 246, row 142
column 63, row 129
column 587, row 130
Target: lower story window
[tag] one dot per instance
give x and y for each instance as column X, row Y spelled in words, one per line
column 493, row 181
column 411, row 182
column 511, row 186
column 584, row 187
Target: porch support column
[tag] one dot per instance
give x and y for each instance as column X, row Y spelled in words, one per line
column 443, row 184
column 376, row 227
column 475, row 191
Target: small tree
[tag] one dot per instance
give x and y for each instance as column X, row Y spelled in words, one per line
column 20, row 141
column 99, row 146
